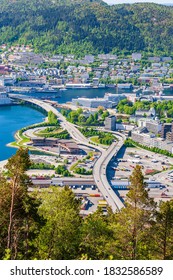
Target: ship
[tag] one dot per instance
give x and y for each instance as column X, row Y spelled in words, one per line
column 78, row 86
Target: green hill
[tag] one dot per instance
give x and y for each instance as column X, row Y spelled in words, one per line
column 78, row 26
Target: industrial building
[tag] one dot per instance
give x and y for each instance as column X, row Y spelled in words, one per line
column 62, row 145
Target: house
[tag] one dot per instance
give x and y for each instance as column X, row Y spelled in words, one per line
column 147, row 113
column 136, row 56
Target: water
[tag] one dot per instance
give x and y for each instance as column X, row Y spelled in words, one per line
column 69, row 94
column 13, row 118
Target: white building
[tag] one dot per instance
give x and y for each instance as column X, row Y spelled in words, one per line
column 78, row 85
column 136, row 56
column 92, row 102
column 4, row 99
column 114, row 97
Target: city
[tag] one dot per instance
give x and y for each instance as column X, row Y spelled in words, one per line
column 86, row 141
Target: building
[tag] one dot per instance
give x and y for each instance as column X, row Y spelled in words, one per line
column 92, row 102
column 110, row 123
column 124, row 184
column 136, row 56
column 154, row 58
column 167, row 128
column 32, row 83
column 4, row 99
column 62, row 145
column 114, row 97
column 153, row 126
column 147, row 113
column 7, row 81
column 124, row 126
column 145, row 138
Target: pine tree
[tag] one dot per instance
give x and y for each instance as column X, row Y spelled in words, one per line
column 59, row 237
column 96, row 236
column 132, row 223
column 18, row 210
column 162, row 232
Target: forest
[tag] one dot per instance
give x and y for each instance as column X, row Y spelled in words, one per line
column 47, row 225
column 80, row 27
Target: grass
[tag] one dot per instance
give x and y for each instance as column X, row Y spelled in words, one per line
column 96, row 140
column 73, row 166
column 44, row 132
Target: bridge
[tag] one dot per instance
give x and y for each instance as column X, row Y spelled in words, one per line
column 99, row 170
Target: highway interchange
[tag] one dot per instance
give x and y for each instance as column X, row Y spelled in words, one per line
column 99, row 170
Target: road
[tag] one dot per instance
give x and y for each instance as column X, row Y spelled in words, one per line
column 99, row 170
column 99, row 173
column 72, row 130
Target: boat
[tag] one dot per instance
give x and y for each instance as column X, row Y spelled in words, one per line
column 62, row 89
column 78, row 86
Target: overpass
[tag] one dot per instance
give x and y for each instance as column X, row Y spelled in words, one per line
column 99, row 173
column 99, row 170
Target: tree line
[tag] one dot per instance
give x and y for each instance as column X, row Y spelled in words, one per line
column 48, row 225
column 82, row 27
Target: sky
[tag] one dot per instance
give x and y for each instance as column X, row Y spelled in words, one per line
column 133, row 1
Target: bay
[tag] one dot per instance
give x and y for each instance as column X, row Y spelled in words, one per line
column 13, row 118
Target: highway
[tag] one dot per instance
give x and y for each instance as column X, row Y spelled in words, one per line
column 99, row 173
column 99, row 170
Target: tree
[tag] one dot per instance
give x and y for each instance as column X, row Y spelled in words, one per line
column 90, row 119
column 59, row 237
column 96, row 236
column 95, row 116
column 132, row 223
column 162, row 232
column 52, row 118
column 18, row 210
column 81, row 119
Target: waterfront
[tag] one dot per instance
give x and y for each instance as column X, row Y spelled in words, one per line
column 13, row 118
column 69, row 94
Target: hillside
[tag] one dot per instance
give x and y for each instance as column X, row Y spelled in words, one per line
column 89, row 26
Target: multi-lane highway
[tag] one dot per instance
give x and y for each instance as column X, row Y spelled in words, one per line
column 99, row 170
column 99, row 173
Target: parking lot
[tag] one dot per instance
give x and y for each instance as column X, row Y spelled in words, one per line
column 155, row 167
column 151, row 163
